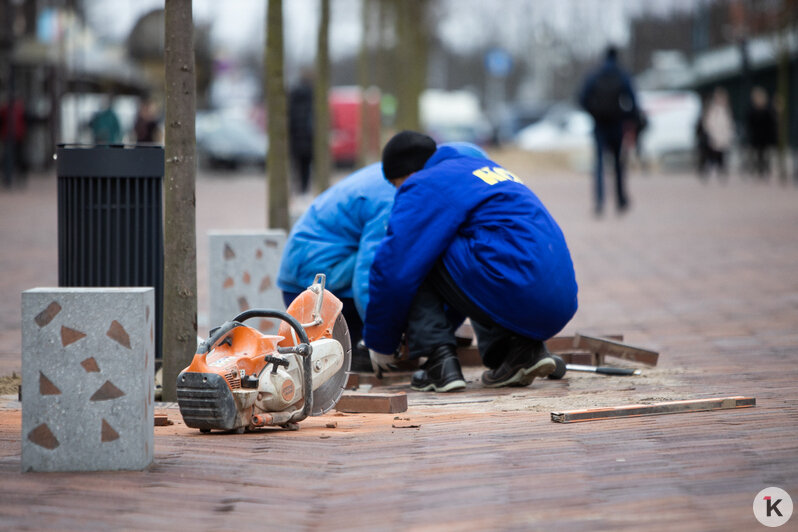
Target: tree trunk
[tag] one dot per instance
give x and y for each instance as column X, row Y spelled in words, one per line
column 412, row 50
column 364, row 80
column 276, row 106
column 180, row 240
column 321, row 102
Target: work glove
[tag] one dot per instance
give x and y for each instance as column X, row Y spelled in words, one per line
column 380, row 362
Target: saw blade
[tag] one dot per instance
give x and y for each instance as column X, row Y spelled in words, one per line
column 326, row 396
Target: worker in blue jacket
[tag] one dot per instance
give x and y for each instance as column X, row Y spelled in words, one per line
column 338, row 236
column 467, row 235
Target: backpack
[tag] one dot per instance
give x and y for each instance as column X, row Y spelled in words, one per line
column 604, row 99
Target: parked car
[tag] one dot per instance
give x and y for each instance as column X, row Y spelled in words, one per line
column 564, row 132
column 562, row 128
column 515, row 117
column 672, row 117
column 454, row 116
column 229, row 141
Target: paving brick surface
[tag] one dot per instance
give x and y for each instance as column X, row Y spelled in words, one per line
column 704, row 274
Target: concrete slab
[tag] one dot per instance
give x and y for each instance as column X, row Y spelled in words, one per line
column 87, row 378
column 243, row 274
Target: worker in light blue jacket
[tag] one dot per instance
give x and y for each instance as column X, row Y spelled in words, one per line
column 466, row 234
column 338, row 236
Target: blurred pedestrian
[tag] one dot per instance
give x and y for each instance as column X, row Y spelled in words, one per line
column 608, row 96
column 718, row 125
column 104, row 124
column 300, row 128
column 465, row 235
column 338, row 236
column 761, row 128
column 701, row 140
column 12, row 140
column 146, row 125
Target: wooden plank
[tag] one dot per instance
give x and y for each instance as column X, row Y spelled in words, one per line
column 604, row 347
column 469, row 356
column 564, row 344
column 670, row 407
column 578, row 357
column 373, row 403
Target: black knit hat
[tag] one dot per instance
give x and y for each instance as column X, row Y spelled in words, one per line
column 405, row 153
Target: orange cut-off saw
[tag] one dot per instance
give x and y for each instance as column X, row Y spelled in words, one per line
column 241, row 379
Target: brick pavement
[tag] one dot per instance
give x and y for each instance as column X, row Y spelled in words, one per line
column 705, row 274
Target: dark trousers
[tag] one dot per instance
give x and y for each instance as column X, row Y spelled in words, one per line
column 302, row 163
column 438, row 309
column 609, row 138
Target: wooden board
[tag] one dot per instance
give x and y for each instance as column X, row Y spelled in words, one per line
column 373, row 403
column 671, row 407
column 469, row 356
column 578, row 357
column 604, row 347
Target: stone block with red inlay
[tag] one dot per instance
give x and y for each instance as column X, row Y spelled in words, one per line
column 87, row 379
column 243, row 270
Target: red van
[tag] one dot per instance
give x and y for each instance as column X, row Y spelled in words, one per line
column 345, row 134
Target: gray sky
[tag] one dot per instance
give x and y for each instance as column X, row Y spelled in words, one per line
column 464, row 24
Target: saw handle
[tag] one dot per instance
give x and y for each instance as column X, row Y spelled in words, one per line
column 307, row 369
column 266, row 313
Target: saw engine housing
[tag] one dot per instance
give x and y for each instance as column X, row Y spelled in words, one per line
column 241, row 379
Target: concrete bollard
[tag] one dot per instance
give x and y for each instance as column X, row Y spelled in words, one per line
column 243, row 270
column 87, row 379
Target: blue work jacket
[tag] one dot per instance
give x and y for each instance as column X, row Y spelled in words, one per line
column 496, row 239
column 339, row 234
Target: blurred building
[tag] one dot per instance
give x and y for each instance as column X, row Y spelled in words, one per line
column 50, row 58
column 736, row 44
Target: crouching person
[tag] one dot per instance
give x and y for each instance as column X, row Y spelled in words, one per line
column 465, row 239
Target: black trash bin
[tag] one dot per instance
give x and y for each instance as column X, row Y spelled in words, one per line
column 110, row 222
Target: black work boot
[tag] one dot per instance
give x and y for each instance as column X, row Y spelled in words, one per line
column 525, row 360
column 440, row 373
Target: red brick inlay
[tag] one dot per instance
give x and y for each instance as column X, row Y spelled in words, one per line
column 245, row 278
column 228, row 252
column 90, row 365
column 147, row 313
column 265, row 284
column 243, row 304
column 46, row 386
column 43, row 437
column 228, row 282
column 70, row 336
column 118, row 334
column 46, row 316
column 270, row 243
column 107, row 391
column 108, row 433
column 259, row 254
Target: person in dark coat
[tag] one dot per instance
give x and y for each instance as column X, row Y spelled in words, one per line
column 608, row 96
column 466, row 238
column 300, row 129
column 762, row 131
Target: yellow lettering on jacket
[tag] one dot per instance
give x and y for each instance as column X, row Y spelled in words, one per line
column 495, row 175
